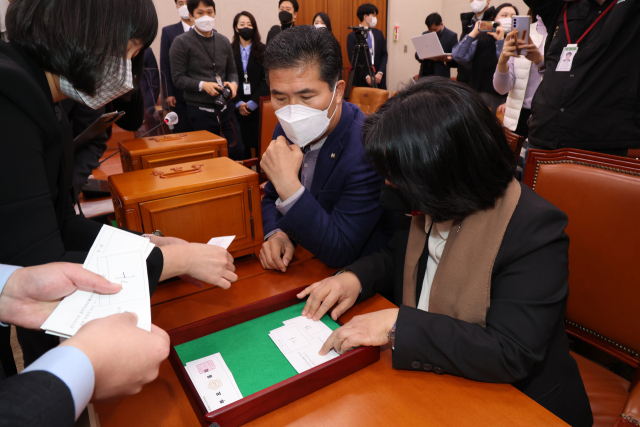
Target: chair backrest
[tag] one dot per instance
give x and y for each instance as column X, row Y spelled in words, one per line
column 515, row 141
column 368, row 99
column 267, row 124
column 601, row 196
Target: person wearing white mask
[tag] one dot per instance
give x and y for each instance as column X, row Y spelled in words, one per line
column 480, row 9
column 368, row 15
column 202, row 64
column 479, row 52
column 322, row 20
column 322, row 193
column 36, row 151
column 175, row 96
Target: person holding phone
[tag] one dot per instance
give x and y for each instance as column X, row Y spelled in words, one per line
column 515, row 72
column 480, row 51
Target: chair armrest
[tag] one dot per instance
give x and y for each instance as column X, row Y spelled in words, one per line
column 631, row 412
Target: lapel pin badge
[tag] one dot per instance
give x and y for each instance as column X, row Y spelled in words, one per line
column 333, row 155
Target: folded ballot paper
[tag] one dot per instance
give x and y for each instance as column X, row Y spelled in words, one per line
column 213, row 381
column 300, row 341
column 120, row 257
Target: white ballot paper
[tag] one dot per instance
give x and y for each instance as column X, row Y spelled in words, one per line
column 213, row 381
column 120, row 257
column 223, row 242
column 300, row 340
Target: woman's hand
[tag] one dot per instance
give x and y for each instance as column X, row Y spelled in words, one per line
column 533, row 53
column 243, row 109
column 369, row 329
column 502, row 108
column 498, row 34
column 508, row 51
column 211, row 264
column 476, row 30
column 342, row 289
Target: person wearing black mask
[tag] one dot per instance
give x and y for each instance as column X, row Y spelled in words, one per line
column 287, row 16
column 448, row 39
column 248, row 52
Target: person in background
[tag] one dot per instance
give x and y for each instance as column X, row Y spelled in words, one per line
column 150, row 86
column 322, row 192
column 322, row 20
column 595, row 106
column 448, row 39
column 175, row 96
column 107, row 358
column 480, row 11
column 288, row 12
column 478, row 268
column 41, row 225
column 4, row 4
column 192, row 55
column 248, row 51
column 520, row 76
column 368, row 15
column 481, row 50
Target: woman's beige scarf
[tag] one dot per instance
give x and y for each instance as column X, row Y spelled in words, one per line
column 462, row 284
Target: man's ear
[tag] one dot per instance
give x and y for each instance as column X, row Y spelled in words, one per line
column 340, row 89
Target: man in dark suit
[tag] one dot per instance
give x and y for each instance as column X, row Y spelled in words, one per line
column 287, row 14
column 481, row 11
column 107, row 358
column 367, row 14
column 175, row 97
column 322, row 192
column 448, row 39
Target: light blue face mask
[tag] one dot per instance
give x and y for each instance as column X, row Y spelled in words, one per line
column 110, row 88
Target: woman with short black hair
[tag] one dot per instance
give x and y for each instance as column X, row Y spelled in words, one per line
column 479, row 266
column 89, row 51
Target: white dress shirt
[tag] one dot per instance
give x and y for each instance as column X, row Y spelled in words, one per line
column 437, row 240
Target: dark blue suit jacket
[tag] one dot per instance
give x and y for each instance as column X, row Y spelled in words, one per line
column 169, row 33
column 340, row 219
column 448, row 39
column 150, row 82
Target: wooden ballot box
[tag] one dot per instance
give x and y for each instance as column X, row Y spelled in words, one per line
column 194, row 201
column 157, row 151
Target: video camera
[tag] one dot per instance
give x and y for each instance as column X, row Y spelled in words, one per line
column 361, row 34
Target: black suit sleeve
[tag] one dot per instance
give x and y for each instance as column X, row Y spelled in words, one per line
column 528, row 298
column 384, row 55
column 351, row 45
column 165, row 66
column 263, row 88
column 36, row 398
column 131, row 103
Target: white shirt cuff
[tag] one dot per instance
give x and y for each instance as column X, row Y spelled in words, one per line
column 283, row 207
column 74, row 368
column 200, row 86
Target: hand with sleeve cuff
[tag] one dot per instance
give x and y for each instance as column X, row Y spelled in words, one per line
column 342, row 289
column 369, row 329
column 276, row 253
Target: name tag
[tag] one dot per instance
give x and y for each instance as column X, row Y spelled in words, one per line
column 219, row 80
column 247, row 88
column 566, row 57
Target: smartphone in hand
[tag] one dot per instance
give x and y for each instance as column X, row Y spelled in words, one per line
column 522, row 24
column 487, row 26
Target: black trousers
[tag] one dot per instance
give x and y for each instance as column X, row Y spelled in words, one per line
column 523, row 122
column 250, row 128
column 360, row 78
column 223, row 124
column 183, row 124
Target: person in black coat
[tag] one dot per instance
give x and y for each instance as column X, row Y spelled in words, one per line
column 479, row 271
column 175, row 97
column 248, row 52
column 468, row 20
column 150, row 86
column 368, row 15
column 448, row 39
column 40, row 224
column 287, row 14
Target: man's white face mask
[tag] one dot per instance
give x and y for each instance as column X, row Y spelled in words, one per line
column 205, row 23
column 183, row 12
column 302, row 124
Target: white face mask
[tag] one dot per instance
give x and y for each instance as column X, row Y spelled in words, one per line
column 478, row 6
column 505, row 23
column 205, row 23
column 374, row 21
column 302, row 124
column 183, row 12
column 320, row 26
column 108, row 89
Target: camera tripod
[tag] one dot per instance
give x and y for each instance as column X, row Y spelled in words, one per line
column 361, row 48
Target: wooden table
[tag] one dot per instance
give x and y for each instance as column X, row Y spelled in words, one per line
column 376, row 395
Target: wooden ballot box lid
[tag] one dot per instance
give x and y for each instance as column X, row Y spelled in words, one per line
column 174, row 142
column 167, row 181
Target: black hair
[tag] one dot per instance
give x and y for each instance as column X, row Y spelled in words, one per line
column 444, row 149
column 502, row 6
column 366, row 9
column 62, row 37
column 303, row 46
column 533, row 15
column 293, row 2
column 257, row 47
column 433, row 19
column 325, row 18
column 192, row 5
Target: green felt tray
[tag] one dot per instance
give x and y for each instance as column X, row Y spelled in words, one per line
column 252, row 357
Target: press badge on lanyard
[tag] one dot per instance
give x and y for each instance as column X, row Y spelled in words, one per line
column 219, row 81
column 246, row 86
column 570, row 51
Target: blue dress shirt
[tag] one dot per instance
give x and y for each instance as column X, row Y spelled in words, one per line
column 245, row 52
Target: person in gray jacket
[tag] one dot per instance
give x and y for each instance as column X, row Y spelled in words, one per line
column 202, row 65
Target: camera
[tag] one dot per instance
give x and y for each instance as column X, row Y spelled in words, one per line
column 220, row 101
column 361, row 34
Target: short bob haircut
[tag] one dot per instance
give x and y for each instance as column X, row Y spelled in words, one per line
column 440, row 144
column 77, row 39
column 366, row 9
column 304, row 46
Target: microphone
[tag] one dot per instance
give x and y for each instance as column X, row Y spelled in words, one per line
column 170, row 119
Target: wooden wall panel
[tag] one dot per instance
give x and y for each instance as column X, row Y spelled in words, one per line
column 308, row 9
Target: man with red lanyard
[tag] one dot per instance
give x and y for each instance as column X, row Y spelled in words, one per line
column 593, row 102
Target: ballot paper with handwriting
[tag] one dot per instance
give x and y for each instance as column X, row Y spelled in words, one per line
column 120, row 257
column 223, row 242
column 213, row 381
column 300, row 341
